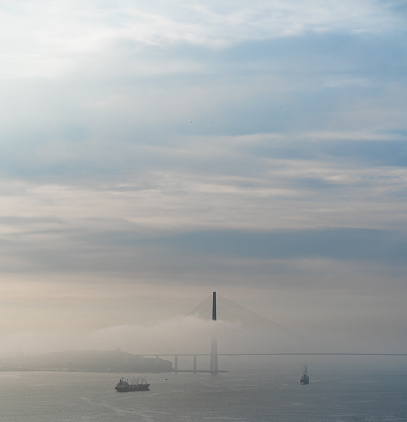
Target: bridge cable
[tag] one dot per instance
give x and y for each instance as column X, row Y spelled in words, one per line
column 230, row 311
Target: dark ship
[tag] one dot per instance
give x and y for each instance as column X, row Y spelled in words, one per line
column 305, row 378
column 123, row 386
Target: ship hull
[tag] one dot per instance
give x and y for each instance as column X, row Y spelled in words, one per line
column 126, row 389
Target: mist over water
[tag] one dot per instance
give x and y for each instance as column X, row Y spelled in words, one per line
column 190, row 334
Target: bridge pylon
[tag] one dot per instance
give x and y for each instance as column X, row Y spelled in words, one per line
column 214, row 345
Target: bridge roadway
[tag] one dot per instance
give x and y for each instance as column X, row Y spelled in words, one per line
column 195, row 355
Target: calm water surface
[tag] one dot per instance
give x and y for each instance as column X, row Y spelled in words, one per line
column 339, row 394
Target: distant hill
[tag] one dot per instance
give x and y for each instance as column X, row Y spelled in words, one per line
column 86, row 360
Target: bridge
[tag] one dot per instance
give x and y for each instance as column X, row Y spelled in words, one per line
column 208, row 310
column 212, row 370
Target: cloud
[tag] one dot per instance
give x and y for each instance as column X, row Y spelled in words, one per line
column 149, row 149
column 48, row 39
column 110, row 109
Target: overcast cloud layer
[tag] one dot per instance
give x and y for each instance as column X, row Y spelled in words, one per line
column 151, row 153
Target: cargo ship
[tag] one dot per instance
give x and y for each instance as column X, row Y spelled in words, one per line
column 123, row 386
column 305, row 378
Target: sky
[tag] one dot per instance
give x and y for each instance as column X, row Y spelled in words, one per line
column 154, row 152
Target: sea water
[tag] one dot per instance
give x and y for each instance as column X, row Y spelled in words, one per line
column 338, row 392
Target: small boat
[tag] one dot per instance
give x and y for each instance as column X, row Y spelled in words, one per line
column 305, row 378
column 123, row 386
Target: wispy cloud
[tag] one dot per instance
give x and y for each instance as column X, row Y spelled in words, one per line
column 153, row 148
column 50, row 40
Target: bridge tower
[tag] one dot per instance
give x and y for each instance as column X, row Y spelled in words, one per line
column 214, row 344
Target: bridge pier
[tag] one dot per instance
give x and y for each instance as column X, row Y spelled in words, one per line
column 214, row 356
column 194, row 364
column 175, row 363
